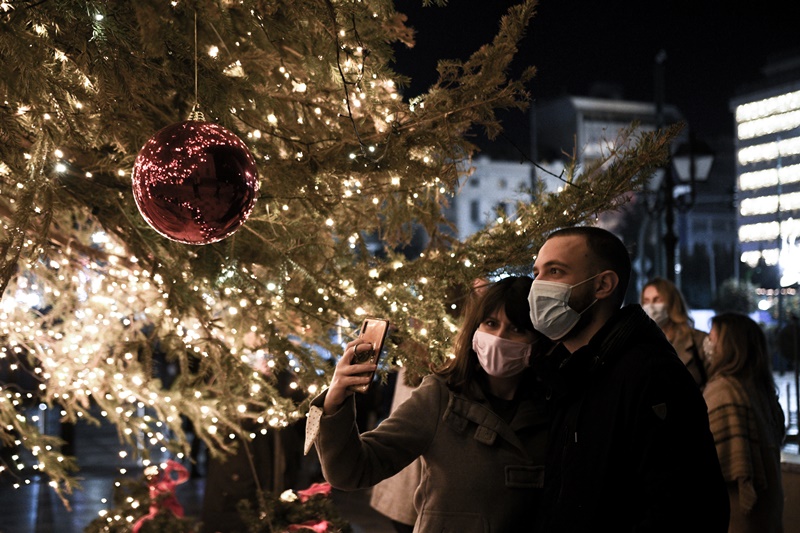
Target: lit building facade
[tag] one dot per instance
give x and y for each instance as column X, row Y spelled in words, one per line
column 768, row 177
column 589, row 124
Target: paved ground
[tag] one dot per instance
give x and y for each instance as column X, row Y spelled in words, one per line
column 35, row 508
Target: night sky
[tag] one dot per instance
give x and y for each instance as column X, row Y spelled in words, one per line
column 713, row 48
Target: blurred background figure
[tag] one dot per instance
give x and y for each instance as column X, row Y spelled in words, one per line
column 663, row 302
column 270, row 462
column 789, row 344
column 747, row 422
column 394, row 496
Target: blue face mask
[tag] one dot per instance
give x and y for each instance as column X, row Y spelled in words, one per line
column 551, row 314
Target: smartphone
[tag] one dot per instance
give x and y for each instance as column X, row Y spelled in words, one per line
column 373, row 332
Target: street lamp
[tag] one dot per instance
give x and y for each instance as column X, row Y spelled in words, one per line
column 691, row 162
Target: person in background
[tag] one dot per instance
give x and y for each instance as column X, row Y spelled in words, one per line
column 663, row 302
column 394, row 497
column 479, row 424
column 630, row 446
column 269, row 462
column 789, row 344
column 747, row 422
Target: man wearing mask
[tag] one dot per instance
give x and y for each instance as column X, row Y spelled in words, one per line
column 630, row 447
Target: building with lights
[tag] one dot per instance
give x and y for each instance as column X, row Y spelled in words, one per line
column 588, row 124
column 767, row 145
column 705, row 224
column 767, row 158
column 704, row 218
column 492, row 185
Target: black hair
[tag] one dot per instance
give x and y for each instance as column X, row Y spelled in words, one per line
column 607, row 249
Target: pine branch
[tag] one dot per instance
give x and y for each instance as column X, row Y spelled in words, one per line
column 350, row 174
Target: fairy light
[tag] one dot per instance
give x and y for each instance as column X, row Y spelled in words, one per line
column 119, row 302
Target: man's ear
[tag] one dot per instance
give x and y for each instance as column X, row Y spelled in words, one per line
column 606, row 284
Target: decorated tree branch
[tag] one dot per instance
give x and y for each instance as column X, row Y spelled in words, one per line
column 344, row 170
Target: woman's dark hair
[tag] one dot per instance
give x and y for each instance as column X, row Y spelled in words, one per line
column 510, row 294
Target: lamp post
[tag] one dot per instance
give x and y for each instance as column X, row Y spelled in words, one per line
column 691, row 162
column 670, row 240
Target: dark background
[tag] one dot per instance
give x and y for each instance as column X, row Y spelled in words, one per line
column 713, row 49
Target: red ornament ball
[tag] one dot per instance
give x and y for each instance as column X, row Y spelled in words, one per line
column 195, row 182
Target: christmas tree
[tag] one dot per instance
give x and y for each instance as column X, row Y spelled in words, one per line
column 95, row 300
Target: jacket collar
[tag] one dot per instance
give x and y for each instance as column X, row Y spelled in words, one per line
column 461, row 410
column 564, row 370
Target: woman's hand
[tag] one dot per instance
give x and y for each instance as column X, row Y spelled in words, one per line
column 346, row 375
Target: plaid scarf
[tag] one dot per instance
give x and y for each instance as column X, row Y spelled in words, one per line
column 742, row 441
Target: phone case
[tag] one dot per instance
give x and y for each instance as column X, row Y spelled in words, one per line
column 373, row 331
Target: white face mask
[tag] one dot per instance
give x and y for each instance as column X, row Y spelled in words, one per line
column 551, row 314
column 657, row 311
column 501, row 357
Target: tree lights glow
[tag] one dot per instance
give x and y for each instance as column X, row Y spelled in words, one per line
column 99, row 313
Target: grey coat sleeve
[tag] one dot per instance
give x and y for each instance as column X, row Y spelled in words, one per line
column 351, row 460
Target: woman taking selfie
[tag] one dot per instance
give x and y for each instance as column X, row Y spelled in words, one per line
column 479, row 424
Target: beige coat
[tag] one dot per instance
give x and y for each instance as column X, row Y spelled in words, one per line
column 479, row 474
column 685, row 342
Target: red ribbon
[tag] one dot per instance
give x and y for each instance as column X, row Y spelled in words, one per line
column 315, row 488
column 318, row 526
column 162, row 493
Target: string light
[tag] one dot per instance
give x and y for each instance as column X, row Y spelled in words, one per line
column 110, row 309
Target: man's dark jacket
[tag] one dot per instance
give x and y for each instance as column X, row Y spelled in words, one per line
column 630, row 447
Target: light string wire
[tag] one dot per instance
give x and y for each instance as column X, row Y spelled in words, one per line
column 196, row 113
column 196, row 99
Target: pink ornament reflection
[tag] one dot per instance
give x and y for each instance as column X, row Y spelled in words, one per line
column 195, row 182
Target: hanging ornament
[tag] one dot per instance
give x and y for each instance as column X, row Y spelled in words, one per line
column 195, row 182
